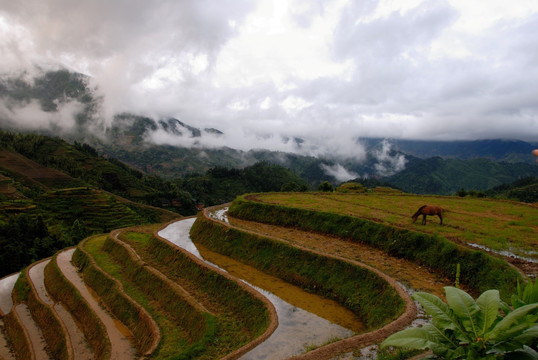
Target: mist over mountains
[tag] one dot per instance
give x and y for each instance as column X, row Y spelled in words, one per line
column 69, row 105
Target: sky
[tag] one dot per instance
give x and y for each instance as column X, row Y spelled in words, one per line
column 264, row 72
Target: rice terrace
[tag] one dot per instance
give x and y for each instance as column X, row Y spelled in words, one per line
column 359, row 255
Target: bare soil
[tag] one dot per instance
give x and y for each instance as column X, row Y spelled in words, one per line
column 5, row 352
column 33, row 171
column 34, row 332
column 503, row 225
column 405, row 272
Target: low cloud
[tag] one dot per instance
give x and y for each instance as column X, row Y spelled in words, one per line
column 340, row 173
column 31, row 116
column 388, row 164
column 263, row 71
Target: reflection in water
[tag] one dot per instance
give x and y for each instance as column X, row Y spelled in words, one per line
column 6, row 286
column 297, row 328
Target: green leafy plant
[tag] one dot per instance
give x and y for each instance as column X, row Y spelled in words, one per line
column 525, row 296
column 463, row 328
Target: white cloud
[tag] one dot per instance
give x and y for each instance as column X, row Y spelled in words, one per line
column 324, row 71
column 338, row 172
column 388, row 164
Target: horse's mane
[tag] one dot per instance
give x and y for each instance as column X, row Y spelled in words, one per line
column 418, row 211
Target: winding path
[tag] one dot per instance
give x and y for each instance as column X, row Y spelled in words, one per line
column 118, row 334
column 81, row 349
column 6, row 287
column 34, row 332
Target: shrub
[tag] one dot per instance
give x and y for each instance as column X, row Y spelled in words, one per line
column 464, row 328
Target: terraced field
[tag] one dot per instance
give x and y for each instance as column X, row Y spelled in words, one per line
column 133, row 294
column 506, row 228
column 501, row 225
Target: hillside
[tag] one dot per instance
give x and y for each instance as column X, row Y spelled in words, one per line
column 525, row 190
column 503, row 227
column 143, row 143
column 316, row 250
column 446, row 176
column 491, row 149
column 70, row 192
column 44, row 209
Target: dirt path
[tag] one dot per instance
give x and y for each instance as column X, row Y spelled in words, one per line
column 5, row 352
column 118, row 334
column 407, row 273
column 34, row 332
column 81, row 349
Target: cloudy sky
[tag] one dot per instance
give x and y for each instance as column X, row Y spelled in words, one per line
column 327, row 71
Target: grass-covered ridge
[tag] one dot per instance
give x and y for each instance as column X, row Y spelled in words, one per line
column 499, row 225
column 200, row 313
column 241, row 317
column 63, row 290
column 341, row 215
column 358, row 289
column 121, row 305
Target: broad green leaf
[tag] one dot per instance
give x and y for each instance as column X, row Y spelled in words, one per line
column 489, row 303
column 435, row 307
column 530, row 294
column 464, row 307
column 528, row 336
column 412, row 338
column 513, row 320
column 526, row 353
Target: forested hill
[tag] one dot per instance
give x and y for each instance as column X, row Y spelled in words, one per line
column 447, row 176
column 437, row 167
column 53, row 194
column 500, row 150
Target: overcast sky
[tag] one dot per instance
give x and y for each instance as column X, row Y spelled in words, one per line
column 326, row 71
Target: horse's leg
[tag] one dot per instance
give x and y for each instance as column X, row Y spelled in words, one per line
column 440, row 217
column 423, row 219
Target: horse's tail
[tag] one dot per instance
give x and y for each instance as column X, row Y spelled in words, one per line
column 418, row 211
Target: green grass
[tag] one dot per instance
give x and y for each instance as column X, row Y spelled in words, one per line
column 240, row 316
column 356, row 288
column 174, row 338
column 479, row 271
column 499, row 225
column 63, row 290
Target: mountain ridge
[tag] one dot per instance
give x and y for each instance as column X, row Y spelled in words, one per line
column 132, row 138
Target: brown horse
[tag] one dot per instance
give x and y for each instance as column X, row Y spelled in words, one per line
column 428, row 210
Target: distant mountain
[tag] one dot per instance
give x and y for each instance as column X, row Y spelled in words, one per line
column 144, row 143
column 525, row 190
column 492, row 149
column 446, row 176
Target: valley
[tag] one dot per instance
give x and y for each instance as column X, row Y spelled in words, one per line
column 124, row 269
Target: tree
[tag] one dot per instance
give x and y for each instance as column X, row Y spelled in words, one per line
column 325, row 187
